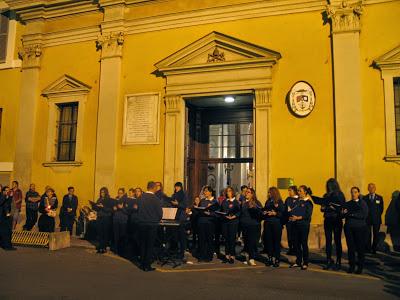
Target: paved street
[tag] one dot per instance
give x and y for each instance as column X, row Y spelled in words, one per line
column 78, row 273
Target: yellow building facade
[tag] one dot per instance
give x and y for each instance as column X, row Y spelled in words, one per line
column 180, row 54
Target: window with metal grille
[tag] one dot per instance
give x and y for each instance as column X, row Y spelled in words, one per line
column 3, row 37
column 396, row 85
column 67, row 125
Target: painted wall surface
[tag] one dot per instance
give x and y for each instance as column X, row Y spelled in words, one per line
column 380, row 32
column 302, row 149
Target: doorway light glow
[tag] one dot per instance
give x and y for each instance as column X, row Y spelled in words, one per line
column 229, row 99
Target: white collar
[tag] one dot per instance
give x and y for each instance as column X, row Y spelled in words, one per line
column 148, row 192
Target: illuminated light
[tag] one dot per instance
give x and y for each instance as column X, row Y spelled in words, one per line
column 229, row 99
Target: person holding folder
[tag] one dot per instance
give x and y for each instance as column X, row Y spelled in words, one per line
column 229, row 214
column 250, row 222
column 355, row 212
column 206, row 224
column 301, row 216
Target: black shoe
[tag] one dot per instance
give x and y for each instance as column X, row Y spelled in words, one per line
column 149, row 269
column 276, row 263
column 304, row 267
column 350, row 270
column 359, row 270
column 329, row 264
column 338, row 265
column 225, row 260
column 269, row 261
column 231, row 261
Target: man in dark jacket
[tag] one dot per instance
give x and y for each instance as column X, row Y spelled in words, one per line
column 149, row 216
column 68, row 210
column 374, row 219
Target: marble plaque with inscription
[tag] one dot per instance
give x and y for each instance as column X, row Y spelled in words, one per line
column 141, row 119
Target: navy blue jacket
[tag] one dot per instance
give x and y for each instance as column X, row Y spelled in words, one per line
column 149, row 209
column 331, row 204
column 375, row 209
column 213, row 206
column 231, row 208
column 69, row 203
column 279, row 209
column 250, row 216
column 182, row 205
column 107, row 209
column 304, row 209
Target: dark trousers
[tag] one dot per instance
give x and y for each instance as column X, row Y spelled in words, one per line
column 301, row 231
column 120, row 234
column 67, row 223
column 46, row 223
column 206, row 240
column 333, row 226
column 217, row 237
column 147, row 238
column 5, row 232
column 272, row 239
column 31, row 218
column 372, row 236
column 355, row 238
column 229, row 231
column 103, row 232
column 290, row 236
column 134, row 238
column 251, row 234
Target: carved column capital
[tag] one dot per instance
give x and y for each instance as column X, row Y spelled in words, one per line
column 110, row 44
column 30, row 55
column 344, row 17
column 172, row 103
column 262, row 98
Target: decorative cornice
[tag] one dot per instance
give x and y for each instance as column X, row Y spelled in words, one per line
column 110, row 44
column 262, row 98
column 66, row 85
column 30, row 56
column 344, row 17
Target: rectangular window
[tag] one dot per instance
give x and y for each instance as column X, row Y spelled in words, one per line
column 396, row 85
column 67, row 125
column 3, row 37
column 231, row 140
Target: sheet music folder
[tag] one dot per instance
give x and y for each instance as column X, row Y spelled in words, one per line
column 169, row 213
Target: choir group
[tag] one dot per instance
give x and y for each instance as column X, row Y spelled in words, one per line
column 136, row 218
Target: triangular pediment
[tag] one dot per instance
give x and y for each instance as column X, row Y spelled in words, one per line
column 217, row 49
column 66, row 85
column 389, row 59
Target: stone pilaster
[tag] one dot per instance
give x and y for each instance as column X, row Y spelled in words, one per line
column 110, row 44
column 345, row 30
column 174, row 157
column 262, row 129
column 30, row 53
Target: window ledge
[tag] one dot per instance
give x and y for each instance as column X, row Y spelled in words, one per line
column 392, row 158
column 62, row 166
column 15, row 63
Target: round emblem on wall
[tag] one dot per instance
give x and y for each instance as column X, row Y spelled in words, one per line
column 301, row 99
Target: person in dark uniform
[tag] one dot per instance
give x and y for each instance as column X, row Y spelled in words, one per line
column 331, row 206
column 104, row 208
column 206, row 224
column 230, row 222
column 120, row 221
column 272, row 235
column 32, row 199
column 178, row 200
column 132, row 210
column 6, row 219
column 47, row 207
column 68, row 210
column 250, row 222
column 149, row 216
column 374, row 219
column 290, row 203
column 301, row 218
column 355, row 211
column 165, row 200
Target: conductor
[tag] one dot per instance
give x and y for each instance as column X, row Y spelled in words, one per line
column 149, row 216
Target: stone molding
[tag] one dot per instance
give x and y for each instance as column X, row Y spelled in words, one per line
column 344, row 17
